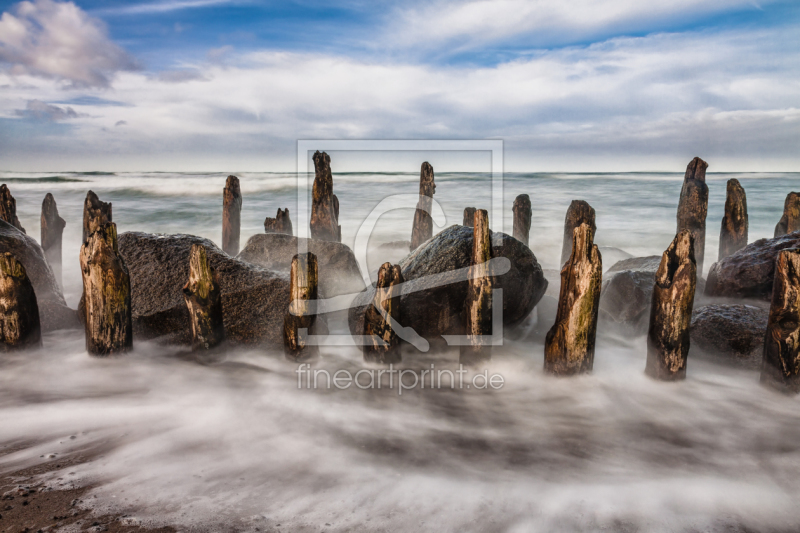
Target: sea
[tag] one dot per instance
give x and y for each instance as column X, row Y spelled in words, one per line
column 233, row 443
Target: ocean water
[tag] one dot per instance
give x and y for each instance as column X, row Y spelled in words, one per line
column 232, row 443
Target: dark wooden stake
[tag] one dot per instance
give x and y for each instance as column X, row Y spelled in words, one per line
column 324, row 218
column 280, row 224
column 781, row 364
column 95, row 214
column 19, row 312
column 478, row 304
column 204, row 300
column 231, row 215
column 569, row 345
column 693, row 207
column 733, row 234
column 422, row 230
column 106, row 293
column 469, row 217
column 790, row 221
column 304, row 277
column 52, row 231
column 579, row 212
column 671, row 312
column 8, row 208
column 522, row 218
column 387, row 298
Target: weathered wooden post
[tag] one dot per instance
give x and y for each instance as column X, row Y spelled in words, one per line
column 280, row 224
column 377, row 324
column 569, row 345
column 671, row 312
column 335, row 200
column 95, row 214
column 19, row 311
column 324, row 220
column 522, row 218
column 204, row 300
column 303, row 281
column 52, row 231
column 422, row 230
column 231, row 215
column 693, row 207
column 790, row 221
column 579, row 212
column 469, row 217
column 733, row 234
column 478, row 304
column 106, row 293
column 8, row 208
column 780, row 367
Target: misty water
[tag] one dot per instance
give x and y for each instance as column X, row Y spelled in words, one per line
column 230, row 442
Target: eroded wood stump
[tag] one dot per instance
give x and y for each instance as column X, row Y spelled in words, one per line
column 733, row 234
column 280, row 224
column 324, row 217
column 422, row 230
column 335, row 200
column 569, row 345
column 8, row 208
column 579, row 212
column 790, row 221
column 781, row 363
column 96, row 213
column 106, row 293
column 469, row 217
column 204, row 300
column 376, row 323
column 522, row 218
column 304, row 277
column 52, row 231
column 231, row 215
column 693, row 207
column 19, row 311
column 671, row 311
column 478, row 303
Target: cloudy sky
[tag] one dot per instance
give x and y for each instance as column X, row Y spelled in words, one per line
column 575, row 85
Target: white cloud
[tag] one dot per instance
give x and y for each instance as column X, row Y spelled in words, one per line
column 59, row 40
column 42, row 111
column 161, row 7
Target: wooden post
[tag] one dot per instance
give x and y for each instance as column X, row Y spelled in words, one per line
column 387, row 298
column 693, row 207
column 106, row 293
column 95, row 214
column 231, row 215
column 579, row 212
column 478, row 305
column 324, row 217
column 280, row 224
column 522, row 218
column 335, row 200
column 52, row 231
column 569, row 345
column 303, row 281
column 733, row 234
column 790, row 221
column 671, row 312
column 781, row 363
column 19, row 311
column 203, row 298
column 422, row 230
column 469, row 217
column 8, row 208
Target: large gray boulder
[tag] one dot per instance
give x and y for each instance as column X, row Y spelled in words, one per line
column 53, row 310
column 749, row 273
column 254, row 299
column 338, row 269
column 733, row 334
column 627, row 293
column 437, row 311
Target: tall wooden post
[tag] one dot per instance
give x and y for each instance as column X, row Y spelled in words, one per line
column 8, row 208
column 422, row 230
column 469, row 217
column 324, row 210
column 204, row 300
column 387, row 298
column 790, row 221
column 579, row 212
column 95, row 214
column 304, row 277
column 52, row 231
column 780, row 368
column 19, row 311
column 693, row 207
column 478, row 304
column 231, row 215
column 522, row 218
column 733, row 234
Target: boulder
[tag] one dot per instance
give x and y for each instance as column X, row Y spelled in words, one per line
column 749, row 273
column 339, row 272
column 733, row 334
column 612, row 255
column 628, row 293
column 440, row 310
column 53, row 310
column 254, row 299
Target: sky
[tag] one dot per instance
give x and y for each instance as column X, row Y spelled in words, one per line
column 232, row 85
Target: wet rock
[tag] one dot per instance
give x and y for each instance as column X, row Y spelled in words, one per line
column 522, row 218
column 280, row 224
column 648, row 263
column 478, row 303
column 204, row 301
column 385, row 345
column 612, row 255
column 95, row 214
column 733, row 234
column 339, row 272
column 569, row 346
column 231, row 215
column 693, row 207
column 324, row 219
column 254, row 299
column 8, row 208
column 303, row 278
column 733, row 334
column 579, row 212
column 52, row 228
column 790, row 221
column 19, row 312
column 435, row 311
column 749, row 273
column 781, row 364
column 422, row 230
column 628, row 292
column 671, row 311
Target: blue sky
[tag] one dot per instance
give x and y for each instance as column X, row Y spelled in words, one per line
column 574, row 86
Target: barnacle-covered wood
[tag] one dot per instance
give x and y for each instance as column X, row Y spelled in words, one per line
column 781, row 365
column 19, row 312
column 422, row 230
column 733, row 234
column 693, row 207
column 303, row 288
column 204, row 300
column 231, row 215
column 385, row 345
column 478, row 304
